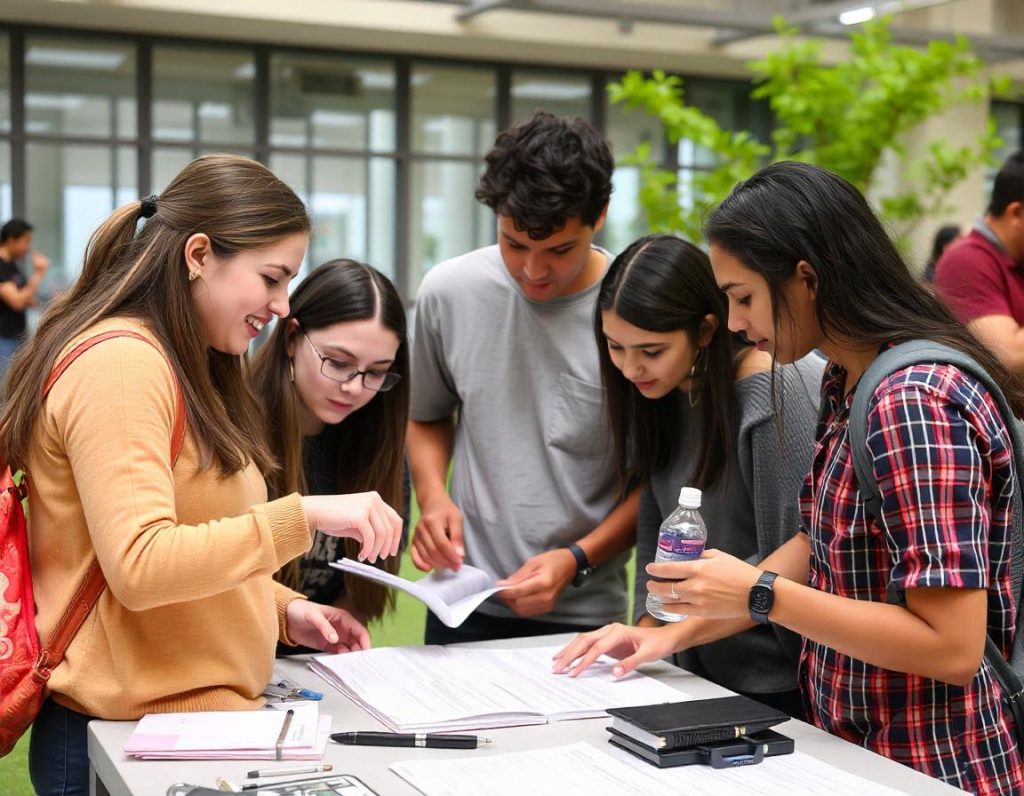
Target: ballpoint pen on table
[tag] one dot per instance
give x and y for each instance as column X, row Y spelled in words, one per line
column 265, row 785
column 423, row 740
column 288, row 772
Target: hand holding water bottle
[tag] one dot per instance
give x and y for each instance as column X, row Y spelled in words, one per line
column 681, row 538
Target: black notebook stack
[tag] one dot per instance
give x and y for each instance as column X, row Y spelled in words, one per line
column 722, row 732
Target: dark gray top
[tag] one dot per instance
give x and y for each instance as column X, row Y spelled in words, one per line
column 750, row 511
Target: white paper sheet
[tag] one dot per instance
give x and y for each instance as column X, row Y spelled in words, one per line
column 422, row 689
column 583, row 768
column 451, row 595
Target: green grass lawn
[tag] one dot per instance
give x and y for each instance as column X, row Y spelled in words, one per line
column 403, row 627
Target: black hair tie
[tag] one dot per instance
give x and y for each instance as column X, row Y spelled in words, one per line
column 148, row 206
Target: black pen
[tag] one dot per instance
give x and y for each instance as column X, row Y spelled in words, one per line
column 423, row 740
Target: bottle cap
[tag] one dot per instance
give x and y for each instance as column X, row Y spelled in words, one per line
column 689, row 498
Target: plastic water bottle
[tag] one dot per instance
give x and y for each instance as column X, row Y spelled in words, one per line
column 681, row 538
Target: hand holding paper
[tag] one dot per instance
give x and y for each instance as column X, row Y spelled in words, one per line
column 452, row 596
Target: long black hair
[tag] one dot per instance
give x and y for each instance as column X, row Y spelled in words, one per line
column 662, row 283
column 372, row 441
column 790, row 211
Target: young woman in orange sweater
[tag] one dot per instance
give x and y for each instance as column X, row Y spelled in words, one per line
column 188, row 547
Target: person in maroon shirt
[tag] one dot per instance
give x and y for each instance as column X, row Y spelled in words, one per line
column 981, row 276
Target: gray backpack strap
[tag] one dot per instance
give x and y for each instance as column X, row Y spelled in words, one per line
column 926, row 352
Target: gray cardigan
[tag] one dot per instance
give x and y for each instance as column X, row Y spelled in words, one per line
column 750, row 511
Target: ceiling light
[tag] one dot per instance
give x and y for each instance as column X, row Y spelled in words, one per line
column 857, row 15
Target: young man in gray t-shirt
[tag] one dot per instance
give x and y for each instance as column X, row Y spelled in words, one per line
column 506, row 387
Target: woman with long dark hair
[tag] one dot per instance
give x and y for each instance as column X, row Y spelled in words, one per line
column 805, row 264
column 333, row 379
column 691, row 404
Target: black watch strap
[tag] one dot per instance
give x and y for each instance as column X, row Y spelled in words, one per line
column 583, row 568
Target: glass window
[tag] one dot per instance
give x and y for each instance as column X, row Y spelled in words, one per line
column 79, row 87
column 203, row 95
column 6, row 204
column 628, row 128
column 167, row 162
column 559, row 93
column 447, row 219
column 626, row 221
column 1008, row 117
column 5, row 85
column 71, row 189
column 351, row 203
column 453, row 110
column 327, row 102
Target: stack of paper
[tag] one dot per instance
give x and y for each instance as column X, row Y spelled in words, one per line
column 424, row 689
column 232, row 735
column 581, row 768
column 451, row 595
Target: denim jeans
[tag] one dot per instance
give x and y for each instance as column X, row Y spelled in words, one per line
column 58, row 755
column 8, row 345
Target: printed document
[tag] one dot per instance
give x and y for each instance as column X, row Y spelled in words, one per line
column 434, row 688
column 584, row 768
column 451, row 595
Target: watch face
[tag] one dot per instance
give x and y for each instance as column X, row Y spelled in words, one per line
column 761, row 599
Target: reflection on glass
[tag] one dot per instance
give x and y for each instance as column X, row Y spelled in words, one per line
column 5, row 87
column 6, row 205
column 447, row 220
column 560, row 94
column 327, row 102
column 71, row 189
column 203, row 95
column 627, row 129
column 626, row 221
column 167, row 162
column 79, row 87
column 1007, row 116
column 453, row 110
column 351, row 203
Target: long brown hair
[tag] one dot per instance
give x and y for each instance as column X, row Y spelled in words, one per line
column 371, row 443
column 662, row 283
column 240, row 205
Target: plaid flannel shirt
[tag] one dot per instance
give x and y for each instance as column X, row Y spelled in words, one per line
column 945, row 470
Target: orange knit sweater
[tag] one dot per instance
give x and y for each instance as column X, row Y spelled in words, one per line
column 191, row 613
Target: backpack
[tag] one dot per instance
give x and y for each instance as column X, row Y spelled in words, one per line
column 24, row 669
column 1009, row 674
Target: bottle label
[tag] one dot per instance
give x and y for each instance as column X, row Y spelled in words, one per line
column 677, row 549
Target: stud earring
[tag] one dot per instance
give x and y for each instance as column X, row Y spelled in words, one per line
column 193, row 276
column 291, row 370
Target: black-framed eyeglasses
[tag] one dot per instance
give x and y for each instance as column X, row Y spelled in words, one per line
column 344, row 372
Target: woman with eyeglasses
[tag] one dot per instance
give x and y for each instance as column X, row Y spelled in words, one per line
column 333, row 378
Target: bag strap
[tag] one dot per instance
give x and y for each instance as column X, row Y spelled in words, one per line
column 927, row 352
column 92, row 587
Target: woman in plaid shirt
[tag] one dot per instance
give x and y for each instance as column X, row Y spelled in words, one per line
column 805, row 264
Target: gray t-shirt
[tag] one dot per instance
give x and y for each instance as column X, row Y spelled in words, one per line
column 532, row 467
column 750, row 511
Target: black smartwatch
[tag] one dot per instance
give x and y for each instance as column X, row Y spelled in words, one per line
column 583, row 568
column 762, row 597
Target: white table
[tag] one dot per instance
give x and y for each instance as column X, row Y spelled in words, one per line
column 116, row 775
